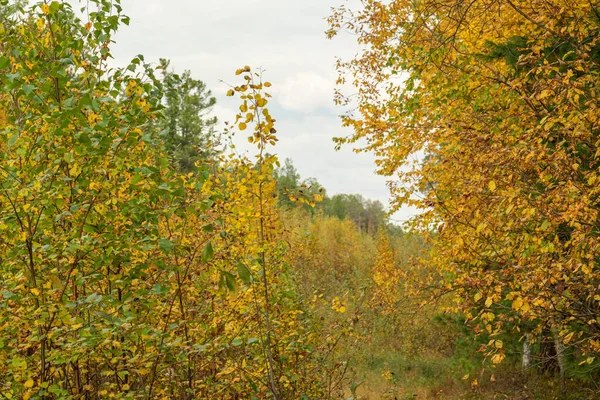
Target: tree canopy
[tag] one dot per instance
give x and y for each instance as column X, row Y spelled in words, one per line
column 502, row 98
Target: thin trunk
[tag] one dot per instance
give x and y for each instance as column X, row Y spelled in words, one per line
column 560, row 357
column 265, row 282
column 548, row 359
column 526, row 363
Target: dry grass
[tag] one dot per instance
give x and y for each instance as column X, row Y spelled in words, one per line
column 505, row 385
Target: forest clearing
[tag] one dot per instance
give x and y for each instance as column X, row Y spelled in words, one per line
column 146, row 252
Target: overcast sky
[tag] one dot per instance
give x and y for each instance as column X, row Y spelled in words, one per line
column 213, row 38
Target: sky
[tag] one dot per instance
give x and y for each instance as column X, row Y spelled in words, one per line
column 213, row 38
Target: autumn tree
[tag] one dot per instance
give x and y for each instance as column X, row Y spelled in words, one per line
column 386, row 275
column 80, row 202
column 120, row 276
column 501, row 97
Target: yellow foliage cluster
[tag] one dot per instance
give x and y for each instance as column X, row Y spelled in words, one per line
column 120, row 277
column 499, row 101
column 386, row 276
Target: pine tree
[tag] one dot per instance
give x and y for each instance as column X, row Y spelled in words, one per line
column 189, row 129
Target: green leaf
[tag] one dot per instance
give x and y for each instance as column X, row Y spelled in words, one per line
column 84, row 139
column 27, row 89
column 12, row 140
column 244, row 273
column 68, row 102
column 200, row 347
column 147, row 137
column 86, row 101
column 13, row 77
column 237, row 342
column 93, row 298
column 253, row 386
column 7, row 295
column 207, row 252
column 137, row 178
column 229, row 280
column 159, row 289
column 165, row 245
column 4, row 61
column 54, row 6
column 89, row 229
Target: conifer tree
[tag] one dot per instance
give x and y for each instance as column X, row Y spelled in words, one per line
column 189, row 128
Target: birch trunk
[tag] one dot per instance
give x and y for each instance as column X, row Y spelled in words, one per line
column 526, row 363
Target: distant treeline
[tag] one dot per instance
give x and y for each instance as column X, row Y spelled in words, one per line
column 368, row 215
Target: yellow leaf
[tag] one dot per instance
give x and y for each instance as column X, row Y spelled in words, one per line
column 242, row 126
column 35, row 292
column 591, row 180
column 261, row 102
column 492, row 186
column 497, row 358
column 480, row 227
column 517, row 304
column 568, row 337
column 29, row 383
column 488, row 302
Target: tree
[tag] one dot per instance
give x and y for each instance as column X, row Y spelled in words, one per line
column 386, row 275
column 190, row 131
column 501, row 97
column 336, row 206
column 374, row 215
column 292, row 191
column 288, row 181
column 120, row 276
column 80, row 201
column 368, row 215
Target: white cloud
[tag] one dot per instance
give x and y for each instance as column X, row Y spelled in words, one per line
column 154, row 7
column 224, row 114
column 305, row 92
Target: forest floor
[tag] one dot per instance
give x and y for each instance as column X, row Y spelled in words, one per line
column 505, row 385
